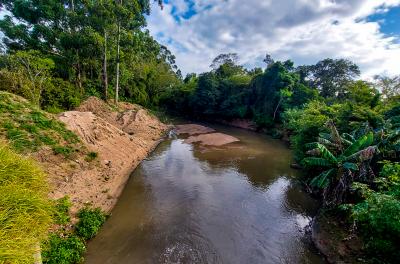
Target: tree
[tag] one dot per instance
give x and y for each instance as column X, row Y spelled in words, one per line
column 268, row 60
column 230, row 59
column 26, row 73
column 330, row 76
column 343, row 160
column 389, row 86
column 79, row 35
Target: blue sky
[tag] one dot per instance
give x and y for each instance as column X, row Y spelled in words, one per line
column 388, row 20
column 365, row 31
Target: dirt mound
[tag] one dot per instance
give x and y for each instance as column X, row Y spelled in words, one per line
column 131, row 118
column 121, row 136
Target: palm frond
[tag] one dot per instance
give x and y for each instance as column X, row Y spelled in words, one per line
column 335, row 137
column 364, row 154
column 350, row 166
column 325, row 153
column 348, row 137
column 316, row 162
column 322, row 180
column 314, row 152
column 361, row 143
column 326, row 136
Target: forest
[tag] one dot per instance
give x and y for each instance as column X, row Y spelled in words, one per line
column 344, row 131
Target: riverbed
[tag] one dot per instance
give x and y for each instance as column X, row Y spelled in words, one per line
column 188, row 203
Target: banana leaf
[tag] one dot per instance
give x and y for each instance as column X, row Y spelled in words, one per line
column 361, row 143
column 322, row 180
column 316, row 162
column 350, row 166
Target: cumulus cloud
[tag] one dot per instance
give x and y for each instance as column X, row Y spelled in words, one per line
column 302, row 30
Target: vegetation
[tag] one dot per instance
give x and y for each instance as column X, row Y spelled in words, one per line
column 28, row 128
column 58, row 52
column 66, row 245
column 343, row 130
column 25, row 211
column 90, row 221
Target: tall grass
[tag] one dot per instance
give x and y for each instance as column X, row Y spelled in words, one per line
column 25, row 211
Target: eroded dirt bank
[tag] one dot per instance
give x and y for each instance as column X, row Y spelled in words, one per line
column 121, row 136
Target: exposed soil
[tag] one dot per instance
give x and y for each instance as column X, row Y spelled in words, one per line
column 213, row 139
column 193, row 129
column 204, row 135
column 121, row 136
column 334, row 240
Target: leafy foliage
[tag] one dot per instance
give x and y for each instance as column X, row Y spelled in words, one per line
column 351, row 163
column 90, row 221
column 63, row 249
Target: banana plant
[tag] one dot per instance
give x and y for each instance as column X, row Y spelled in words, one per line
column 343, row 160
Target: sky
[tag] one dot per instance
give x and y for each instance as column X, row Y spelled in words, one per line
column 305, row 31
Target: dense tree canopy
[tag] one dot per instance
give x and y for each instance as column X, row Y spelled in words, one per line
column 96, row 45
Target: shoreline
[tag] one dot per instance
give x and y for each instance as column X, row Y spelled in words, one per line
column 120, row 140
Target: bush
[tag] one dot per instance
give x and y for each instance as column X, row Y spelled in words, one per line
column 60, row 95
column 25, row 211
column 378, row 220
column 63, row 250
column 377, row 217
column 90, row 221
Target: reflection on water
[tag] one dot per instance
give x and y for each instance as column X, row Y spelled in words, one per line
column 190, row 204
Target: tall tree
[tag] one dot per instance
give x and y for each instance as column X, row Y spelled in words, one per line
column 330, row 76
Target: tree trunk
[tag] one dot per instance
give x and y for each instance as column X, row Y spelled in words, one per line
column 118, row 58
column 105, row 75
column 277, row 107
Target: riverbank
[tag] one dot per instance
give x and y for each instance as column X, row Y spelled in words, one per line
column 120, row 136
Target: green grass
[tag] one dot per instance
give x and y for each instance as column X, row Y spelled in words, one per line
column 28, row 128
column 25, row 211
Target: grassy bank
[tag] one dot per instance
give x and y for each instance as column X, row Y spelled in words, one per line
column 25, row 210
column 28, row 128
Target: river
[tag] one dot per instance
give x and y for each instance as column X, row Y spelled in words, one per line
column 186, row 203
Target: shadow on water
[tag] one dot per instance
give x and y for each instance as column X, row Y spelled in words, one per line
column 191, row 204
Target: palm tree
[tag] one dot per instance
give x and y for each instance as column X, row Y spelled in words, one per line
column 343, row 160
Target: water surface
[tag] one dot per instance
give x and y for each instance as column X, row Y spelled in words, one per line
column 190, row 204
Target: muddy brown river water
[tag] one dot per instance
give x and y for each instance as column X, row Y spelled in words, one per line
column 240, row 203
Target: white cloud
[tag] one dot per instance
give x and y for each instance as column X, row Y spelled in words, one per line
column 302, row 30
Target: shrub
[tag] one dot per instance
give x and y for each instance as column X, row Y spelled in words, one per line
column 25, row 211
column 63, row 250
column 378, row 220
column 90, row 221
column 377, row 217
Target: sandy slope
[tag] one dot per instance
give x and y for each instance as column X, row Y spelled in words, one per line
column 122, row 138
